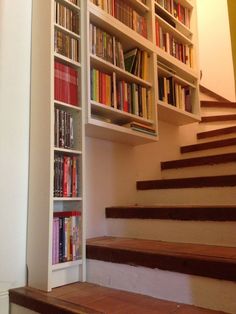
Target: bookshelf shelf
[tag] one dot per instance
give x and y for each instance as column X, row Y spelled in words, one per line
column 178, row 35
column 69, row 4
column 67, row 151
column 121, row 74
column 67, row 199
column 65, row 105
column 115, row 133
column 67, row 60
column 65, row 265
column 179, row 26
column 175, row 115
column 66, row 31
column 115, row 115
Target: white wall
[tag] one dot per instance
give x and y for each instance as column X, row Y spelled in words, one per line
column 215, row 54
column 14, row 129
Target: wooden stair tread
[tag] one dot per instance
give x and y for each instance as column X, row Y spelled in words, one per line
column 177, row 212
column 214, row 118
column 195, row 182
column 217, row 104
column 216, row 132
column 90, row 298
column 198, row 161
column 196, row 259
column 208, row 145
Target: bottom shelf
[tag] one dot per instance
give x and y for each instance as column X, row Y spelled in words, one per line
column 115, row 133
column 173, row 115
column 66, row 273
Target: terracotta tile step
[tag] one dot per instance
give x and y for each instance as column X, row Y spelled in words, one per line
column 198, row 161
column 208, row 145
column 182, row 183
column 180, row 212
column 196, row 259
column 89, row 298
column 218, row 104
column 216, row 132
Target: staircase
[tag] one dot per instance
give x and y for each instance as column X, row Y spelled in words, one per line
column 182, row 246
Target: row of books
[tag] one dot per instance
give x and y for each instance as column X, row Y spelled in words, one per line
column 101, row 87
column 66, row 17
column 177, row 10
column 66, row 45
column 66, row 236
column 107, row 47
column 174, row 93
column 66, row 84
column 171, row 45
column 63, row 129
column 128, row 97
column 66, row 176
column 121, row 10
column 140, row 127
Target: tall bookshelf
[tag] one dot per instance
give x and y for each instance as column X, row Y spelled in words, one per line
column 56, row 253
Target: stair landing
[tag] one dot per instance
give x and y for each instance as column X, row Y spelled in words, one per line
column 89, row 298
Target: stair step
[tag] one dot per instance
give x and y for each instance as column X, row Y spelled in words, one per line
column 223, row 117
column 217, row 104
column 183, row 212
column 195, row 182
column 217, row 132
column 196, row 259
column 91, row 298
column 208, row 145
column 198, row 161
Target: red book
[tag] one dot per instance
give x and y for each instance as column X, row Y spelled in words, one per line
column 74, row 177
column 67, row 214
column 65, row 175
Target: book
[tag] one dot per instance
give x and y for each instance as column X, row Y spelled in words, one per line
column 129, row 58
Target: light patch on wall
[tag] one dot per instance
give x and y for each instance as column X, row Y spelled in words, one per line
column 232, row 22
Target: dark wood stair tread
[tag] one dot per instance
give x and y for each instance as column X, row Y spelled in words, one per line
column 216, row 132
column 208, row 145
column 198, row 161
column 217, row 104
column 177, row 212
column 196, row 259
column 215, row 118
column 195, row 182
column 90, row 298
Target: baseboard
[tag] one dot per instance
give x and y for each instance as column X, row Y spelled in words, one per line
column 4, row 302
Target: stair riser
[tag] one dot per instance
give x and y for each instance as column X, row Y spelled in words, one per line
column 205, row 170
column 205, row 292
column 217, row 111
column 200, row 196
column 212, row 151
column 201, row 232
column 229, row 142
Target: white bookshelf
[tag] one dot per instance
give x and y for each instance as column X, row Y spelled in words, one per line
column 42, row 274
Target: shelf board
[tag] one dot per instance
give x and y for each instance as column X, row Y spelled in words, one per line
column 68, row 151
column 65, row 265
column 116, row 115
column 139, row 6
column 171, row 114
column 184, row 70
column 113, row 26
column 115, row 133
column 121, row 74
column 63, row 104
column 65, row 30
column 67, row 60
column 69, row 4
column 177, row 78
column 177, row 34
column 179, row 25
column 67, row 199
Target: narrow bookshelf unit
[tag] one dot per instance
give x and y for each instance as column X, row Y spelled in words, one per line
column 157, row 35
column 56, row 235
